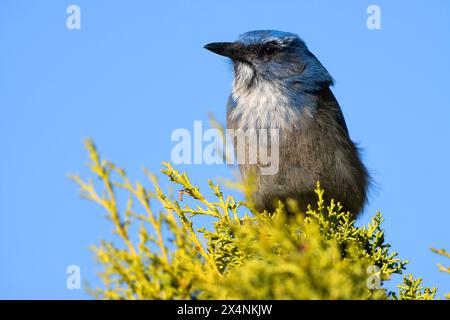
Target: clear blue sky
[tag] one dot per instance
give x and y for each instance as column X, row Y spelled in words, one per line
column 136, row 71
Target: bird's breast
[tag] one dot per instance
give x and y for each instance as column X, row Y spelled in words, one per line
column 263, row 106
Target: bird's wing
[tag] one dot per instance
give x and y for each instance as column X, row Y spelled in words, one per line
column 328, row 101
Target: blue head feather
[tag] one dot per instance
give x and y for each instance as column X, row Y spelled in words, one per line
column 261, row 36
column 288, row 61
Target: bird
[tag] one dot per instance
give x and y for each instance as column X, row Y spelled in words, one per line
column 280, row 84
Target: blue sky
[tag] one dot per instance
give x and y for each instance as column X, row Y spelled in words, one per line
column 136, row 71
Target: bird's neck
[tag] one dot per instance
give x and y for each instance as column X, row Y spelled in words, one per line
column 259, row 103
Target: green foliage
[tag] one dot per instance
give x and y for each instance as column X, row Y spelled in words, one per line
column 318, row 254
column 446, row 254
column 411, row 290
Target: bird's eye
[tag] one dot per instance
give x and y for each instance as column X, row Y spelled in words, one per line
column 270, row 49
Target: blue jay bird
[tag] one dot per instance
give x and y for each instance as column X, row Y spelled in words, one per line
column 279, row 84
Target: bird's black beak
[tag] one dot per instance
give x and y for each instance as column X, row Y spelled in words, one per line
column 233, row 50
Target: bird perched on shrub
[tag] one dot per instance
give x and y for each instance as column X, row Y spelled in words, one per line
column 279, row 84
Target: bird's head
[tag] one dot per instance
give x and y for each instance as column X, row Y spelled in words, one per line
column 274, row 56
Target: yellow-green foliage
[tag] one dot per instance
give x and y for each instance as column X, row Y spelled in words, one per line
column 244, row 254
column 446, row 254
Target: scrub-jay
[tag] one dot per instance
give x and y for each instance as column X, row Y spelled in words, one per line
column 279, row 84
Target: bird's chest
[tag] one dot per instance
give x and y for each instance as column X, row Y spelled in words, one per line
column 265, row 106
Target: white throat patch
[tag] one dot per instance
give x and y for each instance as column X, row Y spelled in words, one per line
column 263, row 105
